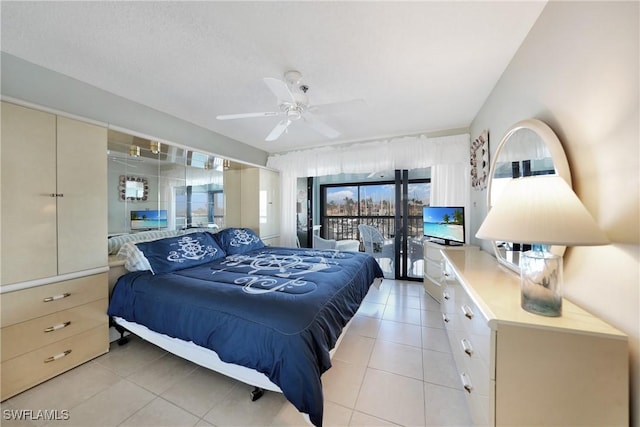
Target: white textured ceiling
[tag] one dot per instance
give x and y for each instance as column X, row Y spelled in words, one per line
column 419, row 66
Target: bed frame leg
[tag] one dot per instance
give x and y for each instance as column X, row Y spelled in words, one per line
column 122, row 340
column 256, row 394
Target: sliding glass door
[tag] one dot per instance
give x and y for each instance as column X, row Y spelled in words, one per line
column 393, row 211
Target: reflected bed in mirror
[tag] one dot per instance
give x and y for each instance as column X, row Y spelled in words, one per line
column 530, row 147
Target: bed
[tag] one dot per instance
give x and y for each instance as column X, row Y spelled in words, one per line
column 267, row 316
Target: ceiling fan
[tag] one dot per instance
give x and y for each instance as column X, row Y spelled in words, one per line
column 294, row 106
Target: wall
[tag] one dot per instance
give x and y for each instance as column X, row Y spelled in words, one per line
column 578, row 71
column 31, row 83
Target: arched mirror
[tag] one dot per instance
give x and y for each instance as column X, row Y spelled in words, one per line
column 530, row 147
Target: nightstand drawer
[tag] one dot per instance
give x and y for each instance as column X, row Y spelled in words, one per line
column 30, row 303
column 30, row 369
column 24, row 337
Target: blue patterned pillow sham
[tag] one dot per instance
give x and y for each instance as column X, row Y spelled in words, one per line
column 179, row 252
column 238, row 240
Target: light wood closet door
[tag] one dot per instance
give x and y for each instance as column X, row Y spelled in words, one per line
column 82, row 208
column 28, row 180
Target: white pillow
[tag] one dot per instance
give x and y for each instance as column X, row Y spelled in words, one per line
column 134, row 259
column 115, row 243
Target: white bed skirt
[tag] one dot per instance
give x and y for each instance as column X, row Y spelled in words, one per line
column 208, row 358
column 199, row 355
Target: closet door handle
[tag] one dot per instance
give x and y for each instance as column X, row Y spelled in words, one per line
column 57, row 356
column 57, row 327
column 466, row 346
column 445, row 319
column 445, row 295
column 468, row 313
column 57, row 297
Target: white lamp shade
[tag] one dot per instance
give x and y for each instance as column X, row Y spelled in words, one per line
column 541, row 210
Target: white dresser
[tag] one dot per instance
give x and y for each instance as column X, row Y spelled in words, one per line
column 522, row 369
column 433, row 267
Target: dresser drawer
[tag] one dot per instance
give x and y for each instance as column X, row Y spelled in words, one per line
column 433, row 270
column 470, row 362
column 30, row 369
column 432, row 253
column 473, row 320
column 30, row 303
column 449, row 304
column 480, row 409
column 24, row 337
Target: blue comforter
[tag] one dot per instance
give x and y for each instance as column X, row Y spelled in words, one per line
column 276, row 310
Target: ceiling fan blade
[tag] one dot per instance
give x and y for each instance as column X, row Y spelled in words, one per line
column 336, row 107
column 280, row 89
column 319, row 126
column 278, row 130
column 246, row 115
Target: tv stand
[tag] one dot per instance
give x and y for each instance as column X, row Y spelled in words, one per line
column 433, row 275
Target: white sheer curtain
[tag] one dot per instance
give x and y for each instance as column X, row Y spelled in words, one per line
column 451, row 186
column 288, row 214
column 409, row 152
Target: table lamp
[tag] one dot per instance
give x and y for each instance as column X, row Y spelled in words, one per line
column 542, row 211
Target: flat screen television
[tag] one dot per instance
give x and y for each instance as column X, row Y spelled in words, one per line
column 444, row 224
column 148, row 219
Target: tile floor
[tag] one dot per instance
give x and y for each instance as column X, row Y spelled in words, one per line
column 393, row 368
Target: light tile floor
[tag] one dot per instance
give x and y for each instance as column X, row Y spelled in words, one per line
column 394, row 367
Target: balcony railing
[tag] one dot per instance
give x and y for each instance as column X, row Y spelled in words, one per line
column 346, row 227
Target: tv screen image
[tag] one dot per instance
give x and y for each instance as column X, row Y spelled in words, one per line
column 444, row 223
column 148, row 219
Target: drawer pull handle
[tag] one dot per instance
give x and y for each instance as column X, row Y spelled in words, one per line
column 57, row 356
column 56, row 327
column 445, row 319
column 468, row 313
column 445, row 295
column 56, row 297
column 466, row 346
column 466, row 382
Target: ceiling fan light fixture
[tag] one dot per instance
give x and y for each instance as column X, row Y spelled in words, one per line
column 293, row 105
column 293, row 77
column 294, row 113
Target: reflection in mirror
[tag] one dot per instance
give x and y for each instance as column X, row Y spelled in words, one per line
column 528, row 148
column 186, row 184
column 200, row 202
column 133, row 188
